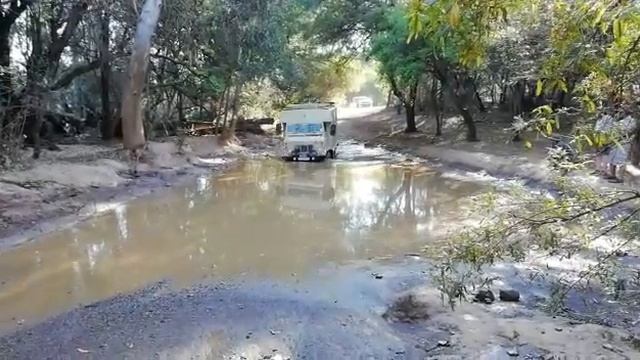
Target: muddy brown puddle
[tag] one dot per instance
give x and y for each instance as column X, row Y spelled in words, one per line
column 264, row 219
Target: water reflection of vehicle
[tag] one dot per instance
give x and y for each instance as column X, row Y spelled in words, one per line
column 309, row 190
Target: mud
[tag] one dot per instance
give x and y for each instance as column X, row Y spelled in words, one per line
column 335, row 313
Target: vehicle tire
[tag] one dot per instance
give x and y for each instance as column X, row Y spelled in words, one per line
column 330, row 154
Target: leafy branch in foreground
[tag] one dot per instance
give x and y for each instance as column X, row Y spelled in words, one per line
column 524, row 224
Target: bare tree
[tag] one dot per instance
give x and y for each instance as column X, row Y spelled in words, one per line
column 132, row 126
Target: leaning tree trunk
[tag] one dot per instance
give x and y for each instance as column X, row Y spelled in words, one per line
column 132, row 125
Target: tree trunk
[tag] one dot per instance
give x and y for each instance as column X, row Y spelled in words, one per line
column 635, row 147
column 472, row 133
column 6, row 86
column 435, row 98
column 226, row 108
column 236, row 104
column 106, row 126
column 493, row 94
column 8, row 18
column 459, row 103
column 181, row 118
column 443, row 73
column 410, row 110
column 503, row 94
column 37, row 123
column 481, row 106
column 132, row 125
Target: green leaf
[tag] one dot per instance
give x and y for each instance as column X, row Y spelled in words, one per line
column 599, row 16
column 618, row 30
column 562, row 85
column 528, row 144
column 549, row 128
column 504, row 14
column 454, row 15
column 589, row 104
column 539, row 87
column 415, row 23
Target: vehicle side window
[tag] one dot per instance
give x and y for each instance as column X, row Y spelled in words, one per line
column 332, row 132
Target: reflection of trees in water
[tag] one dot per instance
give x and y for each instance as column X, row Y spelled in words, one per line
column 210, row 222
column 237, row 206
column 399, row 198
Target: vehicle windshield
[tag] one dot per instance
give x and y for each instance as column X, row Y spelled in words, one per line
column 304, row 129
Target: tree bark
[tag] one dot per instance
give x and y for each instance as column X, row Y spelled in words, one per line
column 447, row 79
column 132, row 124
column 435, row 98
column 180, row 105
column 236, row 104
column 6, row 82
column 410, row 110
column 7, row 20
column 476, row 94
column 635, row 147
column 472, row 133
column 6, row 86
column 408, row 101
column 106, row 126
column 226, row 108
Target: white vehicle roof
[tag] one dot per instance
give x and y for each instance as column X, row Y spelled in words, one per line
column 309, row 113
column 326, row 106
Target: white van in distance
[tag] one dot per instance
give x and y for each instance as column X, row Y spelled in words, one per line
column 309, row 132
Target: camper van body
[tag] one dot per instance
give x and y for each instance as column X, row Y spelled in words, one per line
column 310, row 132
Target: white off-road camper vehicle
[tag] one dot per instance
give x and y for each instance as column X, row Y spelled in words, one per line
column 309, row 131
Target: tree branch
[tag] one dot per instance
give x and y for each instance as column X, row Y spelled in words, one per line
column 68, row 76
column 176, row 62
column 13, row 12
column 75, row 15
